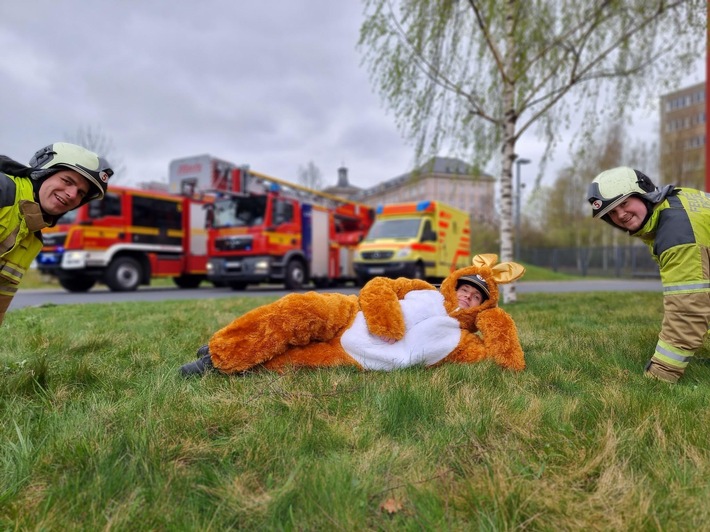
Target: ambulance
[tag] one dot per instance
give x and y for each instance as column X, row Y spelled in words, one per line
column 419, row 240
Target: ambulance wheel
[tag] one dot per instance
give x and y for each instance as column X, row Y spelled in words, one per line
column 419, row 272
column 77, row 284
column 124, row 274
column 295, row 275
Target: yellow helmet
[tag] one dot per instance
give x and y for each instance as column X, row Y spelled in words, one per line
column 94, row 168
column 611, row 187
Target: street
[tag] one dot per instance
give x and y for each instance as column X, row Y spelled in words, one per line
column 29, row 298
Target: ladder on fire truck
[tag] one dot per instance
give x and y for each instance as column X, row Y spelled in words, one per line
column 251, row 182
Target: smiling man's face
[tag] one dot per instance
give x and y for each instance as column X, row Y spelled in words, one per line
column 629, row 214
column 62, row 192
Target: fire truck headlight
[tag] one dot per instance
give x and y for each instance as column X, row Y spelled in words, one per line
column 404, row 252
column 261, row 266
column 210, row 267
column 74, row 260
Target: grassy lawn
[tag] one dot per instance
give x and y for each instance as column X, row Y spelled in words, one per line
column 98, row 431
column 35, row 280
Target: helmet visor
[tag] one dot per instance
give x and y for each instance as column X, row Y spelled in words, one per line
column 602, row 204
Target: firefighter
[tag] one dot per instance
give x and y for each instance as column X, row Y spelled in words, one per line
column 59, row 178
column 674, row 222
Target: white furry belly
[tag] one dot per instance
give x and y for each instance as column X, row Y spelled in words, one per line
column 430, row 335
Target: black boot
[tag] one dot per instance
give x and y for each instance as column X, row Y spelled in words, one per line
column 202, row 351
column 199, row 367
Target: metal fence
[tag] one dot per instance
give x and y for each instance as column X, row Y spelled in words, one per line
column 611, row 261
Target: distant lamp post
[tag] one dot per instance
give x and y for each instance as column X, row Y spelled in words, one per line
column 518, row 162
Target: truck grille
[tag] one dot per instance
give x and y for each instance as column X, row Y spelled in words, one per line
column 377, row 255
column 234, row 244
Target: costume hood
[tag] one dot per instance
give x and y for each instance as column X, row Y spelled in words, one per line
column 485, row 267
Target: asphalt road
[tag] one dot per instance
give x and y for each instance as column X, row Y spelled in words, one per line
column 29, row 298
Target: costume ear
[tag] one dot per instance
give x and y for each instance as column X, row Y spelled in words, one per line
column 485, row 259
column 507, row 272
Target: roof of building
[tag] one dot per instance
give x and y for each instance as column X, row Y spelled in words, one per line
column 434, row 166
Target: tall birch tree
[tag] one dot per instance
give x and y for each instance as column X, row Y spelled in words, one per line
column 475, row 75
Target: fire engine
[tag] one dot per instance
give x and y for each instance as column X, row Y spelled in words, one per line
column 262, row 229
column 127, row 238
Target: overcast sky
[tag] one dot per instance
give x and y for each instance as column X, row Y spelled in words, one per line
column 273, row 84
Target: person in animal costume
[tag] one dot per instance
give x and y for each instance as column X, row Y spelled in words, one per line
column 393, row 323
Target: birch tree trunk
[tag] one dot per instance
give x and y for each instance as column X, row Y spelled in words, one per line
column 509, row 155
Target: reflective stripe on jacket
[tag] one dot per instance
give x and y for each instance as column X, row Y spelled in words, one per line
column 19, row 243
column 678, row 235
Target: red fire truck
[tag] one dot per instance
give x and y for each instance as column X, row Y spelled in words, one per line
column 125, row 239
column 265, row 230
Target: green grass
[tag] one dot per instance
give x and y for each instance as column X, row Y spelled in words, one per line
column 536, row 273
column 33, row 279
column 98, row 431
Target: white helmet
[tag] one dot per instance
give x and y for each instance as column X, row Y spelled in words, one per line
column 611, row 187
column 94, row 168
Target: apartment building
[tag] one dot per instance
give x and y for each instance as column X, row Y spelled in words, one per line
column 683, row 130
column 440, row 179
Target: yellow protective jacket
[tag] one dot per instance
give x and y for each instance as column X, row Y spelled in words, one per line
column 20, row 241
column 678, row 235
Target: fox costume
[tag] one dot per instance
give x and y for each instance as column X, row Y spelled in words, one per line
column 393, row 323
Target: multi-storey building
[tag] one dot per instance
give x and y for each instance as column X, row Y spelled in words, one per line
column 682, row 158
column 440, row 179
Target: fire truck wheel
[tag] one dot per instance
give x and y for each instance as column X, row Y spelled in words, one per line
column 123, row 274
column 237, row 285
column 77, row 284
column 295, row 275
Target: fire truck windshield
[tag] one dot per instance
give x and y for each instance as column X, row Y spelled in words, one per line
column 239, row 211
column 402, row 228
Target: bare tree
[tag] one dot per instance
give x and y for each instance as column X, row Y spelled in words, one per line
column 94, row 139
column 310, row 176
column 478, row 74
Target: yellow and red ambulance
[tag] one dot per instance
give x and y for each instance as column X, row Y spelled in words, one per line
column 420, row 240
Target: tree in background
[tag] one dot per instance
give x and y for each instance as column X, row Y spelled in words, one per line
column 310, row 176
column 559, row 215
column 566, row 217
column 476, row 75
column 94, row 139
